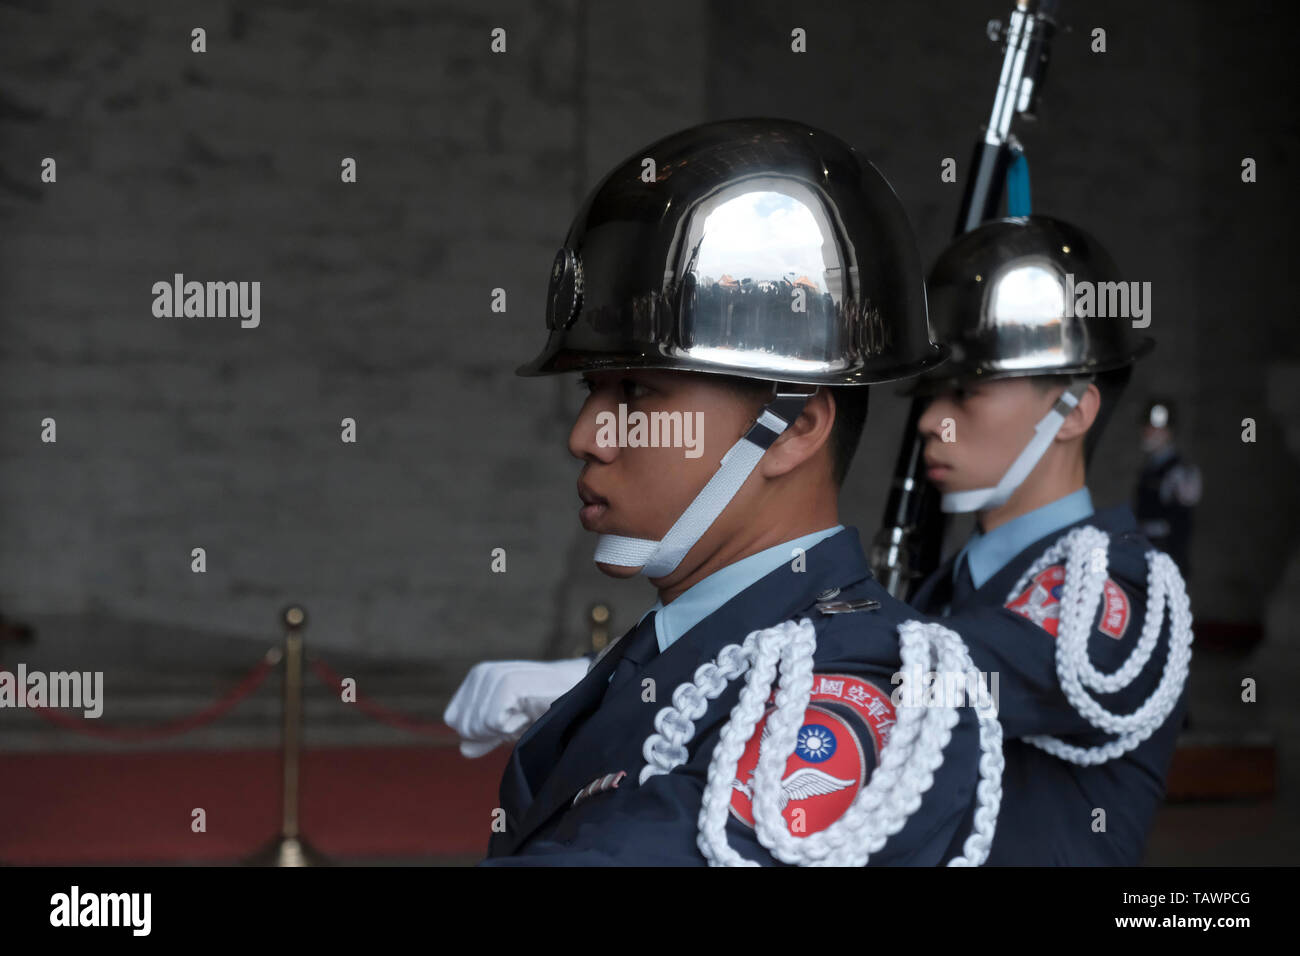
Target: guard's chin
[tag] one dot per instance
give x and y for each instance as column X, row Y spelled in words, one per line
column 617, row 570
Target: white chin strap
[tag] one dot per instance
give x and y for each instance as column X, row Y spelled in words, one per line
column 979, row 499
column 659, row 558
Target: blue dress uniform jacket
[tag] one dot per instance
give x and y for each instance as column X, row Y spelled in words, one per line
column 586, row 735
column 1048, row 804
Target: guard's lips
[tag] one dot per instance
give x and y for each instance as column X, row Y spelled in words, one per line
column 588, row 496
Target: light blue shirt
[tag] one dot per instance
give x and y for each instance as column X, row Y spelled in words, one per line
column 704, row 597
column 987, row 554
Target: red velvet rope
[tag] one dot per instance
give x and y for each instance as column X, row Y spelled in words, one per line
column 180, row 725
column 219, row 707
column 378, row 712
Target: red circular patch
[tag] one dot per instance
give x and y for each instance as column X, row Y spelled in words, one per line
column 1040, row 602
column 828, row 766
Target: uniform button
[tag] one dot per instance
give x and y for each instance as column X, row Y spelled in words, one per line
column 828, row 594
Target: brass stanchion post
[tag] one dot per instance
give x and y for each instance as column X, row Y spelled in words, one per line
column 598, row 616
column 290, row 849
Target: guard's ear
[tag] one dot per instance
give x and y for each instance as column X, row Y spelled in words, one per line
column 1082, row 416
column 803, row 438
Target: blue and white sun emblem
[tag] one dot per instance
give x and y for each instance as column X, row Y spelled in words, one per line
column 815, row 743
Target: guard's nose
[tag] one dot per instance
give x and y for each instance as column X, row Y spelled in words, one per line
column 582, row 437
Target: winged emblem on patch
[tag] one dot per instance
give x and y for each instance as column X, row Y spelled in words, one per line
column 803, row 783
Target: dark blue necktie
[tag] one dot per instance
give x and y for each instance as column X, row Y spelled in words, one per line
column 963, row 585
column 642, row 645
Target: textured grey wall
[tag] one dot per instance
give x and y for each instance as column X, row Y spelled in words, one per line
column 179, row 433
column 1140, row 145
column 176, row 433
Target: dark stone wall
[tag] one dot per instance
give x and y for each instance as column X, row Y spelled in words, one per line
column 183, row 433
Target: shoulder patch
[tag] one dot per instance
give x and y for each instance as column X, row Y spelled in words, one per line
column 1114, row 610
column 846, row 724
column 1040, row 602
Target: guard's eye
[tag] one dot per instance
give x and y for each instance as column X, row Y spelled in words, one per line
column 633, row 389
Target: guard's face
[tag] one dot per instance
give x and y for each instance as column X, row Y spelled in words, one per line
column 974, row 432
column 1154, row 439
column 630, row 487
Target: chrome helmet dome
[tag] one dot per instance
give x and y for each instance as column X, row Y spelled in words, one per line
column 754, row 247
column 998, row 299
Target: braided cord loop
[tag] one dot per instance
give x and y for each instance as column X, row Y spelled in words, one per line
column 908, row 761
column 1085, row 552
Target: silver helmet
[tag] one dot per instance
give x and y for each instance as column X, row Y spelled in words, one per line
column 999, row 295
column 1002, row 298
column 761, row 248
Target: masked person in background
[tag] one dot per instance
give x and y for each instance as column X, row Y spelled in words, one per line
column 753, row 276
column 1086, row 624
column 1169, row 487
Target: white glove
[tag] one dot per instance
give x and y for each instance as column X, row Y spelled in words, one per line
column 499, row 700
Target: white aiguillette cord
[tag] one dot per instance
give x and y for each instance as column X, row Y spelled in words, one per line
column 658, row 558
column 908, row 763
column 961, row 502
column 1085, row 552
